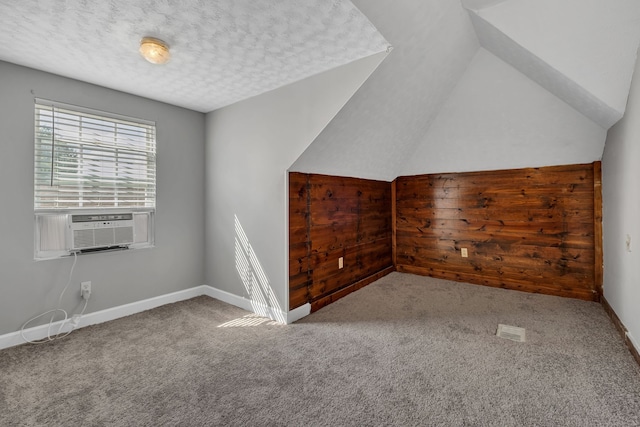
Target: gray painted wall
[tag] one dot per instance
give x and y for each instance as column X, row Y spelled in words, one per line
column 177, row 262
column 250, row 146
column 620, row 177
column 497, row 118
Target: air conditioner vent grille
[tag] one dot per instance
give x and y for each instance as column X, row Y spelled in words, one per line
column 82, row 238
column 123, row 235
column 101, row 231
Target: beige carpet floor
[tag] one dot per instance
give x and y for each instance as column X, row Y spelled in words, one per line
column 404, row 351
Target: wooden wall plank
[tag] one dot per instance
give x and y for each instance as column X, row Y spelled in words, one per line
column 333, row 217
column 299, row 247
column 540, row 225
column 505, row 214
column 394, row 224
column 597, row 221
column 529, row 229
column 533, row 229
column 501, row 282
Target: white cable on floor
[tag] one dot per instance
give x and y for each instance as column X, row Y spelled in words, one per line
column 53, row 312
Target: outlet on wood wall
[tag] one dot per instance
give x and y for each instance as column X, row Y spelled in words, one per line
column 331, row 218
column 528, row 229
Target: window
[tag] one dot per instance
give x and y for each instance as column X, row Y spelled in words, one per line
column 88, row 161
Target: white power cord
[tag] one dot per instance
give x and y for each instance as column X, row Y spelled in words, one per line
column 53, row 312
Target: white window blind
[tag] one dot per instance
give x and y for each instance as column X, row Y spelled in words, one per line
column 89, row 159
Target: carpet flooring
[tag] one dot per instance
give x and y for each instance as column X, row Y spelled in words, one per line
column 404, row 351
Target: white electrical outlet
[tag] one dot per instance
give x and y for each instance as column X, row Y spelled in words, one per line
column 341, row 262
column 464, row 253
column 85, row 290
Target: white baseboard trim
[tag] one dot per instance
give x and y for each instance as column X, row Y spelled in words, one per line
column 40, row 332
column 247, row 304
column 298, row 313
column 258, row 308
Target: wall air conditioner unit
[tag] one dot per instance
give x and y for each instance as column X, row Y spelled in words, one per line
column 89, row 232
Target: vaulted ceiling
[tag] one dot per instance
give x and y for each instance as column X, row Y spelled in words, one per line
column 484, row 84
column 583, row 51
column 469, row 84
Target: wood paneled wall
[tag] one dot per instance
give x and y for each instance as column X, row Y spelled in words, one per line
column 527, row 229
column 332, row 217
column 534, row 229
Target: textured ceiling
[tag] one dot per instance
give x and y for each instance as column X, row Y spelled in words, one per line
column 223, row 51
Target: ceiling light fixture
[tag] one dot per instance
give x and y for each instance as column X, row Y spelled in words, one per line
column 154, row 50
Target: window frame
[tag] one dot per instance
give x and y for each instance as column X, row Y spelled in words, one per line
column 138, row 160
column 87, row 161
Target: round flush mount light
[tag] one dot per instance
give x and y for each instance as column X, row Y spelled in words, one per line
column 154, row 50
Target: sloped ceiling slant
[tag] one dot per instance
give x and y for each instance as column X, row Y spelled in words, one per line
column 379, row 128
column 574, row 62
column 583, row 51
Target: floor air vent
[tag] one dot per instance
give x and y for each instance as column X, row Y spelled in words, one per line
column 512, row 333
